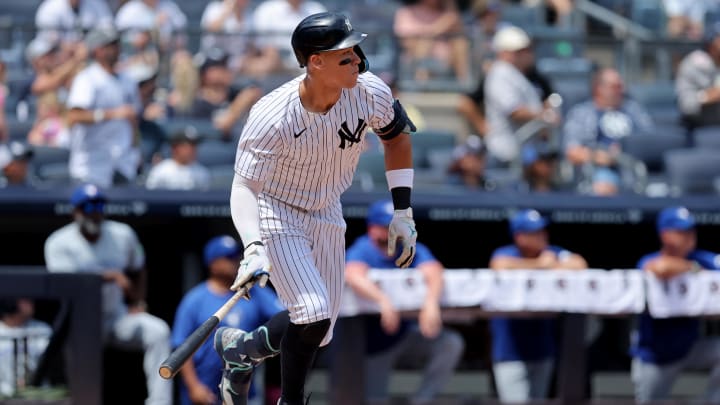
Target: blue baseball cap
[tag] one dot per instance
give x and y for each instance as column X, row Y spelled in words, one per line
column 380, row 213
column 675, row 218
column 221, row 246
column 86, row 193
column 527, row 221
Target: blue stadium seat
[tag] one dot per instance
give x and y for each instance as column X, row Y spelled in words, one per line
column 430, row 140
column 221, row 176
column 216, row 153
column 692, row 171
column 707, row 137
column 659, row 98
column 523, row 16
column 650, row 149
column 50, row 165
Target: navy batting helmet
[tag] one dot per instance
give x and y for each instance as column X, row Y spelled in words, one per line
column 326, row 31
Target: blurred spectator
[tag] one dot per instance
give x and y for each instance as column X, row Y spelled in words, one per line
column 23, row 341
column 593, row 130
column 686, row 19
column 524, row 349
column 102, row 117
column 228, row 25
column 15, row 159
column 66, row 20
column 180, row 171
column 697, row 84
column 432, row 31
column 201, row 373
column 486, row 22
column 153, row 110
column 663, row 348
column 139, row 43
column 467, row 166
column 167, row 19
column 472, row 105
column 274, row 22
column 50, row 126
column 53, row 70
column 217, row 98
column 540, row 165
column 184, row 82
column 93, row 244
column 389, row 337
column 511, row 100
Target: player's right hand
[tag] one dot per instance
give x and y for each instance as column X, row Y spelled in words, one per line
column 254, row 268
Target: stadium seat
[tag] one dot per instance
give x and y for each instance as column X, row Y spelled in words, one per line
column 430, row 140
column 522, row 15
column 659, row 98
column 18, row 130
column 650, row 149
column 572, row 92
column 50, row 165
column 692, row 171
column 550, row 41
column 371, row 170
column 221, row 176
column 216, row 153
column 707, row 137
column 555, row 68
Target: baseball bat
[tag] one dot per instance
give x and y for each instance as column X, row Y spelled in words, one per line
column 187, row 348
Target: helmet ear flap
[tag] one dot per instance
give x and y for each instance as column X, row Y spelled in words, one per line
column 364, row 64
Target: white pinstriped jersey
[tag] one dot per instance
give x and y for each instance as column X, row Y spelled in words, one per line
column 305, row 159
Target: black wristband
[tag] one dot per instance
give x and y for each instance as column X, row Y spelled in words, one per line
column 401, row 197
column 257, row 242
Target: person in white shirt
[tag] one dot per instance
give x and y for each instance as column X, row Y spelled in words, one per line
column 67, row 19
column 180, row 171
column 102, row 117
column 23, row 341
column 275, row 20
column 511, row 100
column 92, row 244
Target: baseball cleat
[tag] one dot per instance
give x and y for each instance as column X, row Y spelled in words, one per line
column 235, row 384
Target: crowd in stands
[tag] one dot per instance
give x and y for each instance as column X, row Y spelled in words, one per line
column 111, row 84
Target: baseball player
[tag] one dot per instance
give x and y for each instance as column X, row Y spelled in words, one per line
column 296, row 155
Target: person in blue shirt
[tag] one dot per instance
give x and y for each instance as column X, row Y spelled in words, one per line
column 200, row 375
column 523, row 349
column 663, row 348
column 390, row 338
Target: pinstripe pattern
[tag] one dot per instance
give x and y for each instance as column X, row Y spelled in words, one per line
column 297, row 156
column 309, row 171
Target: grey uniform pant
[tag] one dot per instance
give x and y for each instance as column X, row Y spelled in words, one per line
column 655, row 382
column 442, row 353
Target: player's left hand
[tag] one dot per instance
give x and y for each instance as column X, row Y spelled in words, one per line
column 402, row 227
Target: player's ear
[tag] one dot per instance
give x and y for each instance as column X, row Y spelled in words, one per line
column 316, row 61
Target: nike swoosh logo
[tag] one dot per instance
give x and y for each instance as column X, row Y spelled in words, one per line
column 299, row 133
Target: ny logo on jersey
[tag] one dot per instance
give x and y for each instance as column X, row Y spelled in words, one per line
column 352, row 137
